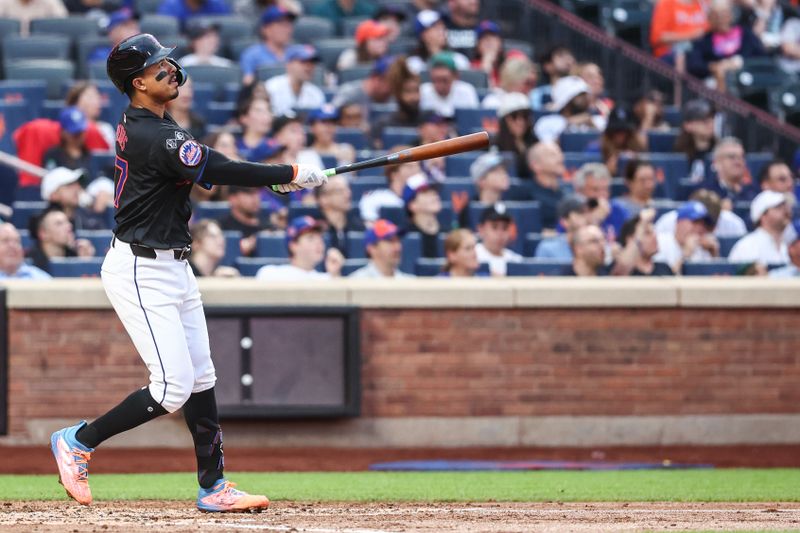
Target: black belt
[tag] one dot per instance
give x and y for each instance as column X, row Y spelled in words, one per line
column 139, row 250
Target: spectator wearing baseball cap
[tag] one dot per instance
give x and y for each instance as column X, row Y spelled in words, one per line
column 496, row 230
column 118, row 26
column 392, row 196
column 372, row 43
column 792, row 270
column 571, row 106
column 385, row 252
column 431, row 32
column 404, row 86
column 276, row 32
column 492, row 184
column 374, row 89
column 691, row 240
column 771, row 213
column 573, row 214
column 516, row 129
column 306, row 249
column 322, row 123
column 183, row 10
column 295, row 90
column 620, row 138
column 423, row 205
column 489, row 51
column 71, row 151
column 337, row 10
column 697, row 138
column 63, row 188
column 204, row 41
column 445, row 91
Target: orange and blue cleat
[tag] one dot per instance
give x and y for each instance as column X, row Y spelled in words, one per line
column 72, row 459
column 222, row 497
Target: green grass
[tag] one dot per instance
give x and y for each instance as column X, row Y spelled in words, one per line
column 732, row 485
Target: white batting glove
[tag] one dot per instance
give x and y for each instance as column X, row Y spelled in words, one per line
column 308, row 177
column 286, row 188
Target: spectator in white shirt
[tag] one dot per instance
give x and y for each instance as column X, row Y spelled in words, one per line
column 792, row 270
column 204, row 36
column 294, row 89
column 494, row 230
column 445, row 92
column 306, row 250
column 432, row 39
column 396, row 177
column 12, row 256
column 771, row 212
column 385, row 251
column 571, row 104
column 691, row 239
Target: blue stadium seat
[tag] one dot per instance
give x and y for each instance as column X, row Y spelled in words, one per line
column 428, row 267
column 75, row 27
column 219, row 113
column 232, row 249
column 355, row 245
column 297, row 209
column 575, row 160
column 75, row 267
column 725, row 245
column 353, row 136
column 14, row 114
column 271, row 246
column 9, row 26
column 457, row 185
column 18, row 48
column 216, row 76
column 393, row 136
column 163, row 27
column 353, row 264
column 115, row 102
column 203, row 95
column 23, row 211
column 661, row 141
column 395, row 215
column 231, row 27
column 248, row 266
column 32, row 93
column 308, row 29
column 55, row 72
column 711, row 268
column 537, row 267
column 755, row 161
column 330, row 49
column 86, row 46
column 577, row 141
column 25, row 237
column 8, row 185
column 468, row 120
column 363, row 184
column 213, row 210
column 101, row 164
column 353, row 74
column 530, row 244
column 412, row 250
column 672, row 115
column 100, row 239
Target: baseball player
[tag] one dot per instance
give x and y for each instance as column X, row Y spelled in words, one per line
column 147, row 277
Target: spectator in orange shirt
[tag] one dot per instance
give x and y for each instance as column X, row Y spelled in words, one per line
column 675, row 23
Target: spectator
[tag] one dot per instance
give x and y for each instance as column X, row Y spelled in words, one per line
column 61, row 188
column 255, row 118
column 776, row 176
column 691, row 240
column 374, row 89
column 27, row 10
column 393, row 17
column 789, row 53
column 696, row 138
column 557, row 63
column 462, row 20
column 90, row 8
column 306, row 251
column 648, row 111
column 620, row 139
column 337, row 10
column 771, row 213
column 245, row 217
column 792, row 270
column 423, row 205
column 121, row 24
column 335, row 200
column 766, row 19
column 599, row 102
column 727, row 224
column 732, row 181
column 86, row 97
column 288, row 131
column 489, row 52
column 724, row 47
column 12, row 257
column 433, row 128
column 71, row 151
column 252, row 9
column 405, row 89
column 461, row 258
column 208, row 250
column 588, row 253
column 573, row 214
column 295, row 90
column 323, row 131
column 546, row 161
column 53, row 237
column 640, row 180
column 276, row 32
column 183, row 10
column 674, row 25
column 385, row 251
column 639, row 246
column 223, row 142
column 431, row 41
column 180, row 109
column 517, row 75
column 490, row 177
column 372, row 43
column 593, row 181
column 353, row 115
column 396, row 177
column 516, row 130
column 495, row 231
column 205, row 41
column 571, row 104
column 445, row 91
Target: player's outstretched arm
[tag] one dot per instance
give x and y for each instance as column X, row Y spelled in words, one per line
column 220, row 170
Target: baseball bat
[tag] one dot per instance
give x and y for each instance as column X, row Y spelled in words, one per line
column 456, row 145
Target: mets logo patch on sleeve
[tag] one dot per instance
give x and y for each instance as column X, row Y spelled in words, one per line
column 190, row 153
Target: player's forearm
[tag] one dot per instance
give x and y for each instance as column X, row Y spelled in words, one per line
column 223, row 171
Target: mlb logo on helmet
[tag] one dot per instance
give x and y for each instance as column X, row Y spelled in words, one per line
column 190, row 153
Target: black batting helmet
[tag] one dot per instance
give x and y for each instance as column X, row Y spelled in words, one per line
column 135, row 54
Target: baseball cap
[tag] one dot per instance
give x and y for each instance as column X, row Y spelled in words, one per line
column 765, row 200
column 58, row 177
column 301, row 225
column 512, row 102
column 120, row 16
column 620, row 119
column 697, row 109
column 370, row 29
column 381, row 65
column 496, row 211
column 382, row 230
column 302, row 52
column 415, row 185
column 72, row 120
column 425, row 19
column 487, row 26
column 486, row 162
column 693, row 211
column 275, row 13
column 199, row 27
column 566, row 89
column 574, row 203
column 326, row 112
column 265, row 150
column 444, row 59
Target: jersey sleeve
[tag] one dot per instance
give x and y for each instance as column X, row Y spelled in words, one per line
column 179, row 157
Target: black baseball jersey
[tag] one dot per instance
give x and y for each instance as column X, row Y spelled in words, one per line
column 156, row 166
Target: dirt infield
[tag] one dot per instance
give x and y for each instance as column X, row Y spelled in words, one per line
column 377, row 518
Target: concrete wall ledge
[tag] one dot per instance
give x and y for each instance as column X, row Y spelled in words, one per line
column 443, row 293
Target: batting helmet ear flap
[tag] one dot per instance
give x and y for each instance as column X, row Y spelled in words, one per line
column 180, row 73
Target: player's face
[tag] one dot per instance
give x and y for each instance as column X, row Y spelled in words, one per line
column 166, row 88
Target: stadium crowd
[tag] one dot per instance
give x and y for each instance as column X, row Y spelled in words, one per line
column 576, row 183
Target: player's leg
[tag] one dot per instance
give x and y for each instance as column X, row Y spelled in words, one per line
column 216, row 494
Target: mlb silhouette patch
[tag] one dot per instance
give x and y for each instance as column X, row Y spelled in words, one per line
column 190, row 153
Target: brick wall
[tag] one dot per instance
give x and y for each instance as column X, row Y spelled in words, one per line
column 455, row 363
